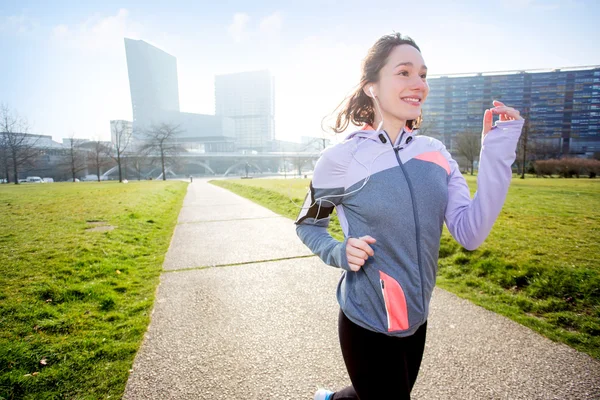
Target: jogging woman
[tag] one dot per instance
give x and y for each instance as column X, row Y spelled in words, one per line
column 393, row 190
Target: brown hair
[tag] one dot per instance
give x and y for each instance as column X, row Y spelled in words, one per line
column 358, row 108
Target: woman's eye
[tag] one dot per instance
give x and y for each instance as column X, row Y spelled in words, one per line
column 403, row 73
column 424, row 76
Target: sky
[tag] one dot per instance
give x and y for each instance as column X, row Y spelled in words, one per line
column 64, row 68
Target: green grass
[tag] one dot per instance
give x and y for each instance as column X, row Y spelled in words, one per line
column 540, row 266
column 79, row 300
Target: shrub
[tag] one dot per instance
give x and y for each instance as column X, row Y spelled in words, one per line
column 545, row 167
column 568, row 167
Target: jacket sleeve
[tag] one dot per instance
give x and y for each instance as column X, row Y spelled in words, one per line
column 470, row 220
column 324, row 194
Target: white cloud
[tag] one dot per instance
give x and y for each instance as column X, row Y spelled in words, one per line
column 18, row 24
column 89, row 73
column 237, row 29
column 517, row 3
column 533, row 4
column 60, row 30
column 271, row 25
column 268, row 28
column 98, row 32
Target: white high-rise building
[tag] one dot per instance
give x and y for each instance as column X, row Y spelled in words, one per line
column 153, row 84
column 248, row 99
column 122, row 128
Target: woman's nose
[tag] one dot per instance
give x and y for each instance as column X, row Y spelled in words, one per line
column 419, row 83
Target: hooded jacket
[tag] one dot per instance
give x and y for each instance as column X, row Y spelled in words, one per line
column 401, row 194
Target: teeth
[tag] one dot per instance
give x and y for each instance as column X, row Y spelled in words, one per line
column 411, row 99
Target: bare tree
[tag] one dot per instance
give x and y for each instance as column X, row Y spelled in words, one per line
column 300, row 162
column 139, row 161
column 4, row 159
column 75, row 157
column 19, row 147
column 161, row 139
column 468, row 145
column 121, row 138
column 429, row 128
column 524, row 147
column 97, row 156
column 542, row 149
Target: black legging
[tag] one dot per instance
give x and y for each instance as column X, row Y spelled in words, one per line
column 381, row 367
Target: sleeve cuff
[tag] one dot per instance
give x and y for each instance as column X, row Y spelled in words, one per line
column 343, row 257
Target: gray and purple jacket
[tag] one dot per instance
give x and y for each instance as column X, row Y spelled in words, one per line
column 413, row 186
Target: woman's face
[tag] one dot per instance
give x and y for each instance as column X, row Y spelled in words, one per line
column 402, row 86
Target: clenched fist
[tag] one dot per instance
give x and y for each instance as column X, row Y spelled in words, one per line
column 358, row 251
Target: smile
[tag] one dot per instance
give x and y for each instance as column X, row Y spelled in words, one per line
column 415, row 101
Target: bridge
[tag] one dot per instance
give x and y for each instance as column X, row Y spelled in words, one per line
column 220, row 164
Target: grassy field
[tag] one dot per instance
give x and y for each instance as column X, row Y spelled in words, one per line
column 74, row 303
column 540, row 266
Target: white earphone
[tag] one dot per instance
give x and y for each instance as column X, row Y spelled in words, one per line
column 371, row 91
column 378, row 108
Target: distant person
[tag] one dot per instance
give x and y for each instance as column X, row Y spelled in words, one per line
column 191, row 179
column 393, row 190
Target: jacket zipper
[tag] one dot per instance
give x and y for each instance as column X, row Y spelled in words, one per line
column 415, row 215
column 387, row 312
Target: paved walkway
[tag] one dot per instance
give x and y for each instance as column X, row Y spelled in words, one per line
column 244, row 312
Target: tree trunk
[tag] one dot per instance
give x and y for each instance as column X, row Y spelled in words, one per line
column 162, row 160
column 15, row 168
column 119, row 165
column 98, row 166
column 524, row 159
column 472, row 166
column 6, row 170
column 73, row 167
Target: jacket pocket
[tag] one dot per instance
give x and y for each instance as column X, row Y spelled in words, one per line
column 395, row 303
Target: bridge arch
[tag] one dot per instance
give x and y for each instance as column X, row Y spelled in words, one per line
column 110, row 171
column 242, row 163
column 127, row 168
column 202, row 164
column 167, row 171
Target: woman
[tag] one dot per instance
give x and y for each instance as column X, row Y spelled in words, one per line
column 393, row 191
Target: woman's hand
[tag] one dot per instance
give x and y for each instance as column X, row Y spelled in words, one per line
column 506, row 114
column 358, row 251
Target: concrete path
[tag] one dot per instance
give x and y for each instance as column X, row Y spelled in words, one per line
column 266, row 326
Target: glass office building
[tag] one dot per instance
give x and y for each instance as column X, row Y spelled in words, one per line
column 248, row 99
column 153, row 83
column 562, row 105
column 155, row 99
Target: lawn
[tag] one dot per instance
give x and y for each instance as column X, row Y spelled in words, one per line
column 75, row 303
column 540, row 266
